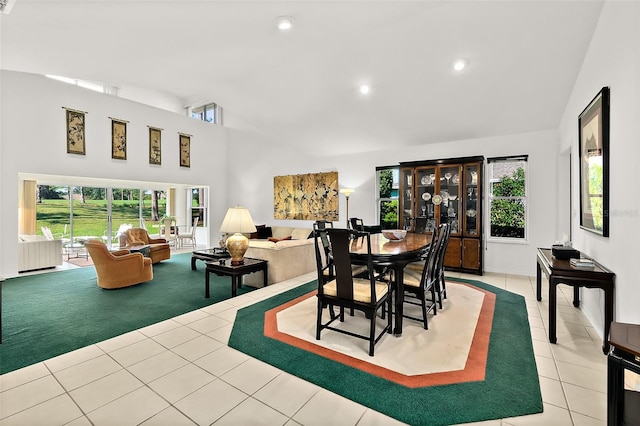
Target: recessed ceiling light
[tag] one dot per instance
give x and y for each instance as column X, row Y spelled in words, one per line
column 284, row 23
column 459, row 64
column 365, row 89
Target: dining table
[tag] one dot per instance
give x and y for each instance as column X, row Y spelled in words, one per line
column 394, row 254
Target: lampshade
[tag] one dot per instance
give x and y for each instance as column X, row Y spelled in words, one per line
column 237, row 221
column 347, row 191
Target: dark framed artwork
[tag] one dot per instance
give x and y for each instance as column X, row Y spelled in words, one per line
column 593, row 141
column 155, row 145
column 118, row 139
column 185, row 150
column 75, row 132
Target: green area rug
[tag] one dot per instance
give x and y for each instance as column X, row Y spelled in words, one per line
column 49, row 314
column 511, row 387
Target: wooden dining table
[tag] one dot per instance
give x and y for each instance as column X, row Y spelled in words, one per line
column 395, row 255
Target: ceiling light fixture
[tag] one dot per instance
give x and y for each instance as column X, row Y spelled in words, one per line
column 459, row 64
column 365, row 89
column 284, row 23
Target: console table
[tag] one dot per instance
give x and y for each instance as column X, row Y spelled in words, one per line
column 561, row 272
column 623, row 405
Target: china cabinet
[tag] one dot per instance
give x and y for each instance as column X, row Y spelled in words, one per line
column 437, row 191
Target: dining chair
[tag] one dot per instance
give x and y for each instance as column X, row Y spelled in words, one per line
column 420, row 283
column 357, row 224
column 366, row 295
column 326, row 259
column 189, row 236
column 441, row 285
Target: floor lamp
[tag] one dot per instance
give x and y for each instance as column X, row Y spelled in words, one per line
column 347, row 192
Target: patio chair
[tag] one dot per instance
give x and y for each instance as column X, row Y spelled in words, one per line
column 190, row 236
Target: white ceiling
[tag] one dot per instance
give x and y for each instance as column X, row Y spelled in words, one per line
column 300, row 87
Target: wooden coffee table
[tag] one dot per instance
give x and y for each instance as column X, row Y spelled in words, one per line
column 225, row 268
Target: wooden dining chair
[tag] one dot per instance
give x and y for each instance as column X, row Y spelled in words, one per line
column 357, row 224
column 441, row 285
column 420, row 280
column 366, row 295
column 326, row 259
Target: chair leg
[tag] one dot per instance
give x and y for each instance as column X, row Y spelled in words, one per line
column 319, row 319
column 372, row 333
column 390, row 319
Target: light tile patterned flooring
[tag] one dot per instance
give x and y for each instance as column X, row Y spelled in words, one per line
column 181, row 372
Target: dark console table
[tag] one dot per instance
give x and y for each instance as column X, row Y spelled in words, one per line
column 561, row 272
column 623, row 405
column 225, row 268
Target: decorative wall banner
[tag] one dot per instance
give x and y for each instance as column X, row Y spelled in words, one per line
column 306, row 197
column 155, row 145
column 75, row 131
column 185, row 150
column 118, row 139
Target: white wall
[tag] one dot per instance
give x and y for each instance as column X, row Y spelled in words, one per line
column 253, row 186
column 32, row 141
column 613, row 60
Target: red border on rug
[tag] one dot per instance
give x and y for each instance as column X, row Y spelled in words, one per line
column 473, row 371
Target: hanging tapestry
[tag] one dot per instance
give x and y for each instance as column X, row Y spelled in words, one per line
column 312, row 196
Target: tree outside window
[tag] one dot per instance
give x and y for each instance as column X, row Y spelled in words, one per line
column 388, row 198
column 508, row 201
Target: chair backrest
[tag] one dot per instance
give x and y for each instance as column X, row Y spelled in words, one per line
column 193, row 228
column 137, row 234
column 445, row 232
column 430, row 256
column 46, row 231
column 357, row 224
column 340, row 241
column 420, row 225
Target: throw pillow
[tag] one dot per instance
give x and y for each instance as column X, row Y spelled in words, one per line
column 264, row 233
column 254, row 235
column 275, row 240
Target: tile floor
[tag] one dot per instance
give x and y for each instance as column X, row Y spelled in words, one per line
column 181, row 372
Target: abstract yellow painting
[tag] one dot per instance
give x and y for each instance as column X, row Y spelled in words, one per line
column 312, row 196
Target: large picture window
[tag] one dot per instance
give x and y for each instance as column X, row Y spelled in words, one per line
column 508, row 197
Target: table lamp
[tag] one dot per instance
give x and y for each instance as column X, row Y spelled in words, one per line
column 237, row 221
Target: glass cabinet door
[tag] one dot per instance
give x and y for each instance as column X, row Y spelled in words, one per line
column 406, row 198
column 449, row 192
column 472, row 191
column 425, row 215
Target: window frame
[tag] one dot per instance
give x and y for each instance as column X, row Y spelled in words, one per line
column 490, row 198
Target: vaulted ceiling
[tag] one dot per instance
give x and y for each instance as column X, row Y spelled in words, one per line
column 300, row 87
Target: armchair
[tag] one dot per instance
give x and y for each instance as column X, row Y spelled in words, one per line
column 159, row 249
column 118, row 268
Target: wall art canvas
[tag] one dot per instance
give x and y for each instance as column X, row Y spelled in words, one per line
column 155, row 146
column 118, row 140
column 306, row 197
column 75, row 132
column 593, row 148
column 185, row 151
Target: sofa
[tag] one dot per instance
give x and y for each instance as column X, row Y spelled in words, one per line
column 159, row 248
column 37, row 252
column 288, row 250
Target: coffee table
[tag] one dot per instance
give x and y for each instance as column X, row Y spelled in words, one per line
column 224, row 267
column 215, row 253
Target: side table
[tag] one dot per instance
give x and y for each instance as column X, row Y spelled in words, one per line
column 561, row 272
column 208, row 254
column 225, row 268
column 623, row 405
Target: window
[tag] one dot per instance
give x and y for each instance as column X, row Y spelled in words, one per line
column 210, row 113
column 507, row 197
column 97, row 87
column 198, row 205
column 387, row 179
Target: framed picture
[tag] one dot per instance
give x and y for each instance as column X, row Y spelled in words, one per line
column 75, row 132
column 185, row 150
column 593, row 141
column 155, row 146
column 118, row 139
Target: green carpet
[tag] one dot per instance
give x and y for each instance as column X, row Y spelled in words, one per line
column 511, row 387
column 49, row 314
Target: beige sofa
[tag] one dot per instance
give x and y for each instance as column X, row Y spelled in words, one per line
column 36, row 252
column 287, row 258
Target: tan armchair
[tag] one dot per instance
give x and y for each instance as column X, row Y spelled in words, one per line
column 159, row 248
column 118, row 268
